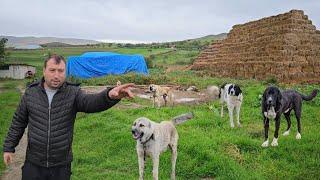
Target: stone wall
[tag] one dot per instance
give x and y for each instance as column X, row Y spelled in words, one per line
column 286, row 46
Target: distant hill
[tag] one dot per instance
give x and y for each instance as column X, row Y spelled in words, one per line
column 38, row 42
column 193, row 44
column 55, row 44
column 210, row 37
column 27, row 41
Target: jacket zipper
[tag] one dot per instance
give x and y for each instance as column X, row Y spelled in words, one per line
column 49, row 108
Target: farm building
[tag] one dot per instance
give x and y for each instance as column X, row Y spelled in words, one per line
column 285, row 47
column 17, row 71
column 96, row 64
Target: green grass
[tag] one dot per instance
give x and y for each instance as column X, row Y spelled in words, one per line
column 9, row 98
column 208, row 147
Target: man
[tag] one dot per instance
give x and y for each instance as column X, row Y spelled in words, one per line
column 49, row 109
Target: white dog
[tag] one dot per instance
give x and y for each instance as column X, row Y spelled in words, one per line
column 232, row 95
column 154, row 138
column 159, row 93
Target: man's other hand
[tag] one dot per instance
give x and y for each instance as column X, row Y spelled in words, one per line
column 7, row 158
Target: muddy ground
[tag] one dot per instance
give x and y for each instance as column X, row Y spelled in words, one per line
column 182, row 96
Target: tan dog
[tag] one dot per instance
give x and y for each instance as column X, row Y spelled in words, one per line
column 154, row 138
column 159, row 93
column 118, row 83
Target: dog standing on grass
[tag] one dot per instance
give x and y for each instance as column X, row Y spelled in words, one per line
column 274, row 103
column 154, row 138
column 231, row 94
column 159, row 93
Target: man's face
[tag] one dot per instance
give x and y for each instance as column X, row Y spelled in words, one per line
column 54, row 74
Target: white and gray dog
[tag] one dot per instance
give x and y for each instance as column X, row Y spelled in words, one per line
column 154, row 138
column 231, row 94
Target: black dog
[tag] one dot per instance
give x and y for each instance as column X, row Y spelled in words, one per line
column 274, row 103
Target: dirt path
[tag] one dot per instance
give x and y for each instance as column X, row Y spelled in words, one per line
column 181, row 96
column 13, row 171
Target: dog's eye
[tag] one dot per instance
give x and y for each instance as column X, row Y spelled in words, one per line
column 141, row 125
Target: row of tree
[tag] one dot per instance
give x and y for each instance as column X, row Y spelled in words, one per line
column 3, row 53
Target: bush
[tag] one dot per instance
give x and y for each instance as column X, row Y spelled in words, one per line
column 149, row 61
column 271, row 80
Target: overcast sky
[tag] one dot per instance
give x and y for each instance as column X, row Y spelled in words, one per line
column 143, row 20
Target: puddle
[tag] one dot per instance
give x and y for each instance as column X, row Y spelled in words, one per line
column 143, row 96
column 182, row 100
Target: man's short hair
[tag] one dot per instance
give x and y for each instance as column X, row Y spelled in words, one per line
column 56, row 58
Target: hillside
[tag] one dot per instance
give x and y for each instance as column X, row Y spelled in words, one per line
column 27, row 41
column 212, row 37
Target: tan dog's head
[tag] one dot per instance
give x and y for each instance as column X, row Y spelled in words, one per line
column 152, row 87
column 118, row 83
column 142, row 129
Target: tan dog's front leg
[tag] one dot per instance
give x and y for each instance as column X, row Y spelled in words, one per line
column 155, row 170
column 165, row 100
column 158, row 102
column 154, row 101
column 141, row 164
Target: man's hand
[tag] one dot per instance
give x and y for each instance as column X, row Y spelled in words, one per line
column 7, row 158
column 121, row 91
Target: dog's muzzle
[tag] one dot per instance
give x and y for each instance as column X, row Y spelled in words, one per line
column 152, row 89
column 136, row 135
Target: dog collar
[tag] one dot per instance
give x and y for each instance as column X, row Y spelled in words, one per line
column 144, row 146
column 151, row 137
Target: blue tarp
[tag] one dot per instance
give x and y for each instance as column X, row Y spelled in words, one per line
column 95, row 64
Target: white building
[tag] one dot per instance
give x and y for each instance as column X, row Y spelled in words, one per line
column 17, row 71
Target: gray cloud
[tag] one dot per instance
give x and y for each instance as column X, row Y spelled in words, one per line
column 139, row 20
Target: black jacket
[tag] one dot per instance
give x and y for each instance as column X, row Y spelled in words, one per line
column 50, row 128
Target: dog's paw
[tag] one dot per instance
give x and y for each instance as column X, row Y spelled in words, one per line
column 298, row 136
column 232, row 125
column 286, row 133
column 173, row 177
column 265, row 144
column 274, row 142
column 239, row 125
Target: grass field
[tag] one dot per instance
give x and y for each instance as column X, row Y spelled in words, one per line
column 208, row 148
column 9, row 99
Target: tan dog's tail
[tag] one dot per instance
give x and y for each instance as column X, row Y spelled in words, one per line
column 182, row 118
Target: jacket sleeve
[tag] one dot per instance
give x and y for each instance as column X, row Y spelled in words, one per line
column 18, row 125
column 91, row 103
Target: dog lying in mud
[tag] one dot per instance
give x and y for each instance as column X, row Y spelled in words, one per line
column 159, row 93
column 154, row 138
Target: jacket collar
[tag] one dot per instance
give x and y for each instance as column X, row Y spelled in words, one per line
column 41, row 85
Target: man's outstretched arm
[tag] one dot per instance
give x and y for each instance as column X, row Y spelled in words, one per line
column 90, row 103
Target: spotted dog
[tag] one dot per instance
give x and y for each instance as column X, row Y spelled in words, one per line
column 231, row 94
